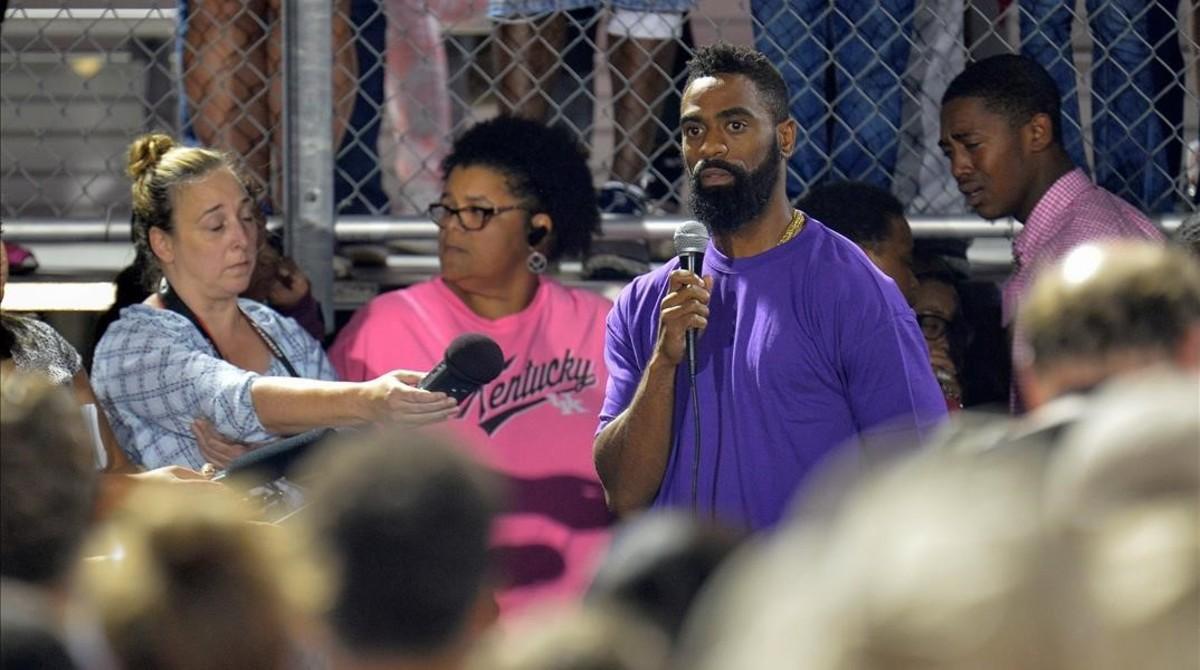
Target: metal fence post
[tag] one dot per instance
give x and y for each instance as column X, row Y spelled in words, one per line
column 308, row 143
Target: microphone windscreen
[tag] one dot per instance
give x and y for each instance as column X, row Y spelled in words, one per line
column 475, row 357
column 691, row 237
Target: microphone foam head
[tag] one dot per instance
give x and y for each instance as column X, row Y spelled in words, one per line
column 691, row 237
column 476, row 357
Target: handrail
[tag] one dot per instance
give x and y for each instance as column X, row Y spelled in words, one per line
column 365, row 229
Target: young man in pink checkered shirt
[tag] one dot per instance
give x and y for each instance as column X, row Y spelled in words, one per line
column 1001, row 131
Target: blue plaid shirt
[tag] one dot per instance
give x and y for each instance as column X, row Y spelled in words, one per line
column 155, row 372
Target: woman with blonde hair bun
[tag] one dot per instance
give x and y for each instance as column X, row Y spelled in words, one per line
column 193, row 373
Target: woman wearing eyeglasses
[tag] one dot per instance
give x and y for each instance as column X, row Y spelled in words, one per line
column 936, row 302
column 517, row 196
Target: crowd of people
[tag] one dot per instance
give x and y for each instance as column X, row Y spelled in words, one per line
column 760, row 462
column 864, row 83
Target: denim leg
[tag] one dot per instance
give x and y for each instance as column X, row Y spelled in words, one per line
column 792, row 34
column 1137, row 100
column 1046, row 38
column 871, row 47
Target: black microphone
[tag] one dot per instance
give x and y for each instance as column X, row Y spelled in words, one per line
column 272, row 461
column 691, row 239
column 471, row 361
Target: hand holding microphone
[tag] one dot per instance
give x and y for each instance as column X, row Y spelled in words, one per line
column 686, row 307
column 471, row 361
column 400, row 396
column 397, row 398
column 684, row 311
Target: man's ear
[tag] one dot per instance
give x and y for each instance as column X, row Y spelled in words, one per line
column 785, row 134
column 161, row 244
column 1039, row 133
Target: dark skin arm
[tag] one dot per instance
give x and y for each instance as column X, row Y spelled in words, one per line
column 631, row 452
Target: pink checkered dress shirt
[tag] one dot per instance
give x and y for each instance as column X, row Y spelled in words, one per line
column 1072, row 212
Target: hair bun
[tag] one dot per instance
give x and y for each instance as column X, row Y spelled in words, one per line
column 145, row 153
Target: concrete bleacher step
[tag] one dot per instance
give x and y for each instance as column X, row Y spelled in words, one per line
column 51, row 153
column 65, row 135
column 75, row 196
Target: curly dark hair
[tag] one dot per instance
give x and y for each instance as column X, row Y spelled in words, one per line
column 1015, row 87
column 722, row 58
column 545, row 165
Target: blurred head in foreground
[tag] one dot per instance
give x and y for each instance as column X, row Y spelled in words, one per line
column 592, row 638
column 659, row 562
column 191, row 583
column 951, row 562
column 406, row 519
column 48, row 481
column 1124, row 491
column 1105, row 310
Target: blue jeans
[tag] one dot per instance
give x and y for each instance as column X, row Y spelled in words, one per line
column 358, row 186
column 1137, row 91
column 842, row 61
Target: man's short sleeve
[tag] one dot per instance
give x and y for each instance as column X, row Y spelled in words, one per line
column 624, row 364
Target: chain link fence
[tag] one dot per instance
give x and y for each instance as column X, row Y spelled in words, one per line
column 80, row 79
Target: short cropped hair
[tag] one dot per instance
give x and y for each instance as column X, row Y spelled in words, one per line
column 722, row 58
column 659, row 566
column 48, row 480
column 1102, row 299
column 545, row 165
column 859, row 211
column 1015, row 87
column 406, row 518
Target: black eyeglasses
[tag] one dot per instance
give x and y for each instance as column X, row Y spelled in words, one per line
column 470, row 217
column 933, row 326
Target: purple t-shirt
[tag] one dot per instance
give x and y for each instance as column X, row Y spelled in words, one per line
column 808, row 347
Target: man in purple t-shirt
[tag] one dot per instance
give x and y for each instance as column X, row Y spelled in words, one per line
column 804, row 345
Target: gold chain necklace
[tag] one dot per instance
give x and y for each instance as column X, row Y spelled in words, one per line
column 793, row 228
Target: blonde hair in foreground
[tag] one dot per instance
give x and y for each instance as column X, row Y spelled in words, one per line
column 191, row 582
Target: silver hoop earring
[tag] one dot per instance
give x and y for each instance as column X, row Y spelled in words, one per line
column 537, row 262
column 163, row 286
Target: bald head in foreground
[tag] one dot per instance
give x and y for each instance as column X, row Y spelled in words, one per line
column 1109, row 309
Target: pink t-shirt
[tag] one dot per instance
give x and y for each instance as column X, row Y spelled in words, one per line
column 533, row 424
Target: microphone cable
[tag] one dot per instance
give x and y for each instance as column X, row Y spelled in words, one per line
column 691, row 239
column 695, row 427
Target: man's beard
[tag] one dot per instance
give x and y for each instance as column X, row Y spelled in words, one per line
column 726, row 209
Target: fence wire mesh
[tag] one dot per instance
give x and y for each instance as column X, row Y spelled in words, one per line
column 81, row 79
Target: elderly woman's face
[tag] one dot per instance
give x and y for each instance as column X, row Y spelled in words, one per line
column 494, row 253
column 215, row 241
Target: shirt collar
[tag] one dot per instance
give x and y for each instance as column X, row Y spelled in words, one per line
column 1046, row 216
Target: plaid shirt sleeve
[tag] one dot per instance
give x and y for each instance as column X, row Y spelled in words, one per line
column 155, row 373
